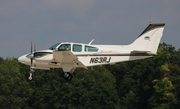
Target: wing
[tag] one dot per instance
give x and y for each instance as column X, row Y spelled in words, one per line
column 67, row 57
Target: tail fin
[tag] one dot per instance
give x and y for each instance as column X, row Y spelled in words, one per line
column 149, row 39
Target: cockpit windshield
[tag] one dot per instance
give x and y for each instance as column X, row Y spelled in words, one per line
column 54, row 46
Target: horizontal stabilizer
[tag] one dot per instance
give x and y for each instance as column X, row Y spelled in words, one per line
column 140, row 51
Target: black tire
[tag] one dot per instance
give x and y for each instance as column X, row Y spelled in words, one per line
column 67, row 76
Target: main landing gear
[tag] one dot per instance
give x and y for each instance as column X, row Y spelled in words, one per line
column 67, row 76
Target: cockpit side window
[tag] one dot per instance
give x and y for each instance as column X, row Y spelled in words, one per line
column 64, row 47
column 54, row 46
column 90, row 49
column 77, row 48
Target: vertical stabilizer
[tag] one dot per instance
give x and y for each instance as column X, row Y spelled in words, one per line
column 149, row 39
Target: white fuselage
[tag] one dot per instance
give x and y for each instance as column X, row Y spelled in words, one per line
column 106, row 54
column 68, row 55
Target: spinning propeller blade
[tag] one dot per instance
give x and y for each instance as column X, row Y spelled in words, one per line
column 34, row 48
column 32, row 52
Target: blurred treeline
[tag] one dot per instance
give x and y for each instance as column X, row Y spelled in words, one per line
column 152, row 83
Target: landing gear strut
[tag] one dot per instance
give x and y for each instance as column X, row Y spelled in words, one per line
column 30, row 74
column 67, row 76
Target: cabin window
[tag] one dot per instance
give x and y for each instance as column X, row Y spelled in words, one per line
column 90, row 49
column 64, row 47
column 77, row 48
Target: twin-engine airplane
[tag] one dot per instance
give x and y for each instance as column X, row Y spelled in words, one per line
column 69, row 56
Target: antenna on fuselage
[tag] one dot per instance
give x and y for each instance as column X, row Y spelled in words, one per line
column 91, row 42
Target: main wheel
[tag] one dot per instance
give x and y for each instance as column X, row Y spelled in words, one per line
column 67, row 76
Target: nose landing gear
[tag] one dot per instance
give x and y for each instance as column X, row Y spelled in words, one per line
column 30, row 74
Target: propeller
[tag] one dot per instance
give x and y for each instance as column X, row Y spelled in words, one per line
column 34, row 48
column 32, row 54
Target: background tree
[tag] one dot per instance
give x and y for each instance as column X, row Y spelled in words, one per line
column 138, row 81
column 14, row 89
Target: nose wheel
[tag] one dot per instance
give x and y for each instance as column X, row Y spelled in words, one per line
column 30, row 74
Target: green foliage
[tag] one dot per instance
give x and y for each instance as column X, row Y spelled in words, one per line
column 88, row 89
column 14, row 88
column 162, row 97
column 145, row 84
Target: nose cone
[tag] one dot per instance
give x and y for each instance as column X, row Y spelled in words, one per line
column 22, row 59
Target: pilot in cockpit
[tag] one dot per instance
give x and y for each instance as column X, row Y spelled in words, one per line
column 64, row 47
column 67, row 47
